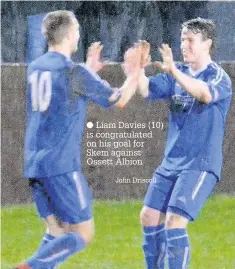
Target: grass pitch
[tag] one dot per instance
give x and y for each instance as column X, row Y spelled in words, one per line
column 117, row 244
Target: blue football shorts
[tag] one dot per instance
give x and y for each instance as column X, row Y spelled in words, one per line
column 66, row 196
column 180, row 192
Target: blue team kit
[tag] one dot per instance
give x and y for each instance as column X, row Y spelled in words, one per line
column 57, row 96
column 190, row 167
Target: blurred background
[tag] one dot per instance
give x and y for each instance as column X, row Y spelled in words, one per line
column 117, row 25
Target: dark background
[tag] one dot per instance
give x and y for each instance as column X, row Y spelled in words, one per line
column 101, row 178
column 118, row 24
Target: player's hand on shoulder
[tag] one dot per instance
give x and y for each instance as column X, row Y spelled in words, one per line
column 93, row 60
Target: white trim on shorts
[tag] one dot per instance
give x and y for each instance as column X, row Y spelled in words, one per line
column 81, row 195
column 199, row 184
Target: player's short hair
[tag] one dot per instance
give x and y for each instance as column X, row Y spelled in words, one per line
column 56, row 25
column 204, row 26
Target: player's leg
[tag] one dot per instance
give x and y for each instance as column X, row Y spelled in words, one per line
column 85, row 229
column 45, row 211
column 178, row 245
column 53, row 230
column 191, row 191
column 154, row 239
column 62, row 247
column 54, row 227
column 71, row 200
column 152, row 218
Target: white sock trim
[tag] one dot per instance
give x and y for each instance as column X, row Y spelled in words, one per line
column 185, row 258
column 55, row 256
column 156, row 232
column 177, row 237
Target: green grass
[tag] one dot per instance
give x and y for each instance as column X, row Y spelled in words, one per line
column 117, row 244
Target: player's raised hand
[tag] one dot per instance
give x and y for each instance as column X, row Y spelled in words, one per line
column 93, row 60
column 132, row 69
column 167, row 58
column 132, row 60
column 145, row 53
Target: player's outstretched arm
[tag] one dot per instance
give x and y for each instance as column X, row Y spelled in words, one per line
column 143, row 83
column 153, row 87
column 132, row 69
column 93, row 59
column 100, row 91
column 197, row 88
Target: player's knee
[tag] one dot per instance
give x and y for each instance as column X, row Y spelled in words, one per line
column 53, row 226
column 55, row 231
column 174, row 221
column 151, row 217
column 88, row 235
column 85, row 229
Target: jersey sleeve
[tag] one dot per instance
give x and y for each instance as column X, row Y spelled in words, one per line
column 89, row 84
column 220, row 86
column 160, row 87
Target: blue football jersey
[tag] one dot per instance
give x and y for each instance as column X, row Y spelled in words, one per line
column 195, row 130
column 57, row 96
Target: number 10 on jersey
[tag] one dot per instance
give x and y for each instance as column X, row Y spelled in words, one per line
column 41, row 89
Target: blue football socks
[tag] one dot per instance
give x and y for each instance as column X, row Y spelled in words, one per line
column 178, row 248
column 46, row 238
column 154, row 246
column 57, row 251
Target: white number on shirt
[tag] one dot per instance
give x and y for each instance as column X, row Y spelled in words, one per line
column 41, row 88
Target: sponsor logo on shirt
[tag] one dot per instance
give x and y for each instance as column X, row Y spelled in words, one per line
column 181, row 103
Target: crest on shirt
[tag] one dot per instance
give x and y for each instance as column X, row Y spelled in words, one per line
column 181, row 103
